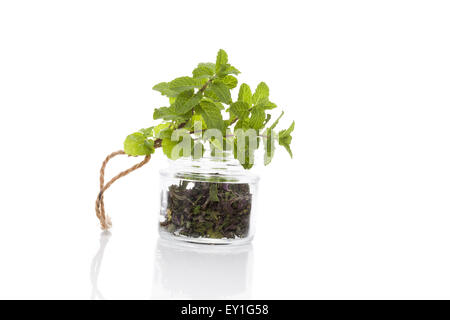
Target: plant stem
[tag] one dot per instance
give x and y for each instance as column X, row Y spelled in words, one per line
column 157, row 143
column 206, row 85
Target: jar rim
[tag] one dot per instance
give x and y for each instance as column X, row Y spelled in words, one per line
column 209, row 169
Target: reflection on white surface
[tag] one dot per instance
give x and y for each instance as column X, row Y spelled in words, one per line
column 188, row 271
column 96, row 264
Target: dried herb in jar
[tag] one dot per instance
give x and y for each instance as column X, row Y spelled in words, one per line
column 209, row 210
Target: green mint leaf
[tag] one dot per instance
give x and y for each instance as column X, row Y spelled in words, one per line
column 226, row 69
column 257, row 118
column 211, row 95
column 136, row 144
column 187, row 105
column 197, row 118
column 165, row 133
column 286, row 145
column 261, row 103
column 216, row 144
column 245, row 94
column 150, row 144
column 169, row 114
column 222, row 58
column 230, row 81
column 287, row 132
column 184, row 83
column 240, row 109
column 162, row 113
column 242, row 124
column 175, row 140
column 211, row 114
column 261, row 92
column 147, row 132
column 269, row 105
column 184, row 96
column 159, row 128
column 163, row 87
column 218, row 104
column 167, row 146
column 285, row 138
column 221, row 91
column 211, row 66
column 204, row 70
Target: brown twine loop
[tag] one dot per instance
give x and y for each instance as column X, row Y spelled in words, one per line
column 105, row 221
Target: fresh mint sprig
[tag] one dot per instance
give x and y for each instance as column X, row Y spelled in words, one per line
column 205, row 97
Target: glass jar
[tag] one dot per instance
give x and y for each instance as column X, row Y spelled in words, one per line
column 210, row 200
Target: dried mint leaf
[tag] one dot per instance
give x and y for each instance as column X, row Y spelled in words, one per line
column 209, row 210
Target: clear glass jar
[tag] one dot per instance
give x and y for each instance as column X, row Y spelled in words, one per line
column 210, row 200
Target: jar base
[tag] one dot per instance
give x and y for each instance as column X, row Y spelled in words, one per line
column 206, row 241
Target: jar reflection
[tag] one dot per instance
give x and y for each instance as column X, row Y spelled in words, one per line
column 192, row 271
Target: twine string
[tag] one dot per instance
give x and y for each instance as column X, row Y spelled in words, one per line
column 105, row 220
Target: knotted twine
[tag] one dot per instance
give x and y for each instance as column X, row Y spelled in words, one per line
column 105, row 221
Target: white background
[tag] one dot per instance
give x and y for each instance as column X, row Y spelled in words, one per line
column 362, row 211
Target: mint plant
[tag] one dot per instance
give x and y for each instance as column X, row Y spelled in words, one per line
column 201, row 111
column 203, row 102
